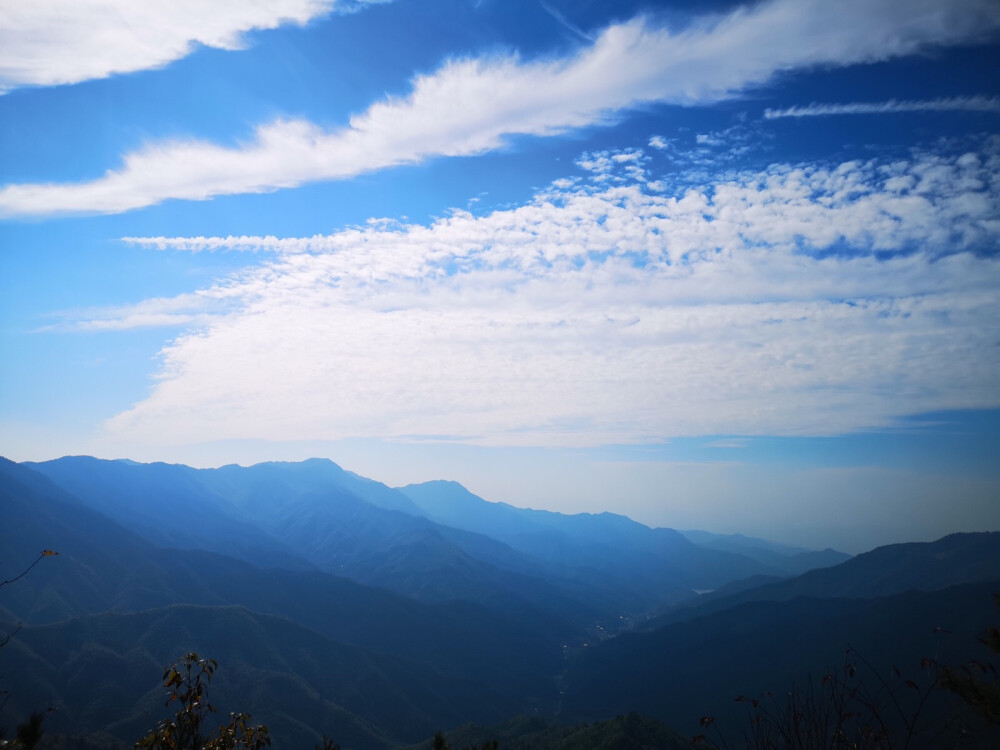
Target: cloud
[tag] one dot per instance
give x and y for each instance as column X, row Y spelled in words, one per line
column 183, row 310
column 728, row 443
column 52, row 42
column 796, row 300
column 565, row 22
column 949, row 104
column 470, row 106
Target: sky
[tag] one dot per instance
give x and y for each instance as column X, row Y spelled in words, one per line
column 718, row 265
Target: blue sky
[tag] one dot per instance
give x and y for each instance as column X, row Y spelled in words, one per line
column 716, row 265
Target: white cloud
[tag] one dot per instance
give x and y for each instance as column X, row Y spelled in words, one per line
column 183, row 310
column 728, row 443
column 949, row 104
column 561, row 18
column 51, row 42
column 797, row 300
column 469, row 106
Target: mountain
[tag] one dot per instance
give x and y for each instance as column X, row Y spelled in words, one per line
column 261, row 483
column 326, row 518
column 654, row 566
column 103, row 567
column 168, row 505
column 740, row 542
column 884, row 571
column 436, row 541
column 789, row 560
column 336, row 604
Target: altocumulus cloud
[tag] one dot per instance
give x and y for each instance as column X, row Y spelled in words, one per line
column 471, row 105
column 796, row 300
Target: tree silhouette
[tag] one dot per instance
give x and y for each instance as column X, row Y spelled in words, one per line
column 977, row 682
column 187, row 682
column 440, row 742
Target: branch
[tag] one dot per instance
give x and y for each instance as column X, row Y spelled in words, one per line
column 45, row 553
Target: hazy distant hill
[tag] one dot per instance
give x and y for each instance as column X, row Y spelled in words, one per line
column 657, row 566
column 789, row 560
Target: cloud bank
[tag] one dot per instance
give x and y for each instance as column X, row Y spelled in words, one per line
column 470, row 106
column 51, row 42
column 796, row 300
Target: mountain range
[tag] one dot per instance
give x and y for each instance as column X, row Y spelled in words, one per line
column 338, row 605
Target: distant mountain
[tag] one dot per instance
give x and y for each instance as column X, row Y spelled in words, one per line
column 325, row 518
column 261, row 483
column 328, row 515
column 435, row 541
column 657, row 566
column 737, row 542
column 786, row 559
column 884, row 571
column 169, row 505
column 103, row 567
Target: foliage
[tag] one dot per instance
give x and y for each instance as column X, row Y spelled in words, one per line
column 856, row 708
column 625, row 732
column 977, row 683
column 440, row 742
column 28, row 734
column 187, row 682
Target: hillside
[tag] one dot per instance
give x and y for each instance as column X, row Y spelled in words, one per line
column 696, row 667
column 103, row 672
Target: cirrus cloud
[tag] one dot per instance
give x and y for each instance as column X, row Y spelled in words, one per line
column 470, row 106
column 893, row 106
